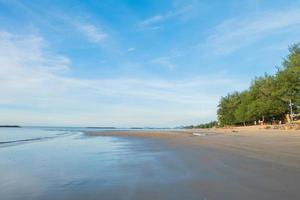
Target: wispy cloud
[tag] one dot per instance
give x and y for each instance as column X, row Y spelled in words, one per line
column 163, row 61
column 151, row 22
column 26, row 68
column 236, row 33
column 33, row 77
column 131, row 49
column 154, row 19
column 93, row 33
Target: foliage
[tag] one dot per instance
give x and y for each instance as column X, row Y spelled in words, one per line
column 207, row 125
column 268, row 96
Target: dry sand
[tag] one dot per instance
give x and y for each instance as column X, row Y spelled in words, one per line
column 234, row 163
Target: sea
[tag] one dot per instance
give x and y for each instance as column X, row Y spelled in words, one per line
column 63, row 163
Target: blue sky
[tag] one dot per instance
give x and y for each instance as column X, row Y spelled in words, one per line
column 135, row 63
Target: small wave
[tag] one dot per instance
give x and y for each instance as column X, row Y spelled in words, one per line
column 23, row 141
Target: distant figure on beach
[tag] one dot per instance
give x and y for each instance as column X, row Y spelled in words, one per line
column 261, row 122
column 255, row 123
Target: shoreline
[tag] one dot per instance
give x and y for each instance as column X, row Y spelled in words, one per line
column 241, row 130
column 276, row 146
column 241, row 163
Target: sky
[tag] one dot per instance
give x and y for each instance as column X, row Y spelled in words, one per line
column 131, row 63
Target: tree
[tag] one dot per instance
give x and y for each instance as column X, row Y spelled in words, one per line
column 241, row 112
column 264, row 101
column 267, row 97
column 288, row 78
column 227, row 107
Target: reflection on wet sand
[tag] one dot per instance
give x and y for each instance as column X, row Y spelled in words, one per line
column 152, row 165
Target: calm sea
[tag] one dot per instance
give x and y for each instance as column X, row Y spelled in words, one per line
column 63, row 163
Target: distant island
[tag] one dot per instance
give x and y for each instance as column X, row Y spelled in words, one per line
column 101, row 127
column 150, row 128
column 10, row 126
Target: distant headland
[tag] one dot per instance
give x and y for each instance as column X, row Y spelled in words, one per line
column 10, row 126
column 101, row 127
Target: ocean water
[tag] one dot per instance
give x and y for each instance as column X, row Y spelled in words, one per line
column 63, row 163
column 42, row 163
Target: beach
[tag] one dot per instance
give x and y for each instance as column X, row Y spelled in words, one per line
column 234, row 163
column 67, row 163
column 149, row 100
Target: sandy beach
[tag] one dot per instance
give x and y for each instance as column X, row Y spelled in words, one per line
column 234, row 163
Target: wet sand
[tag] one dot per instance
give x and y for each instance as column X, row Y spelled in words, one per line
column 223, row 164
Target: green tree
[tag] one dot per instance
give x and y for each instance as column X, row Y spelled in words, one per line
column 267, row 97
column 288, row 78
column 227, row 107
column 241, row 112
column 264, row 101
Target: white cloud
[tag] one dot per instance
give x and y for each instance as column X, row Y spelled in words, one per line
column 163, row 61
column 234, row 34
column 150, row 23
column 25, row 65
column 154, row 19
column 37, row 82
column 93, row 33
column 130, row 49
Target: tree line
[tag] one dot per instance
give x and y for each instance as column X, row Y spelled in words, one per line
column 268, row 96
column 206, row 125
